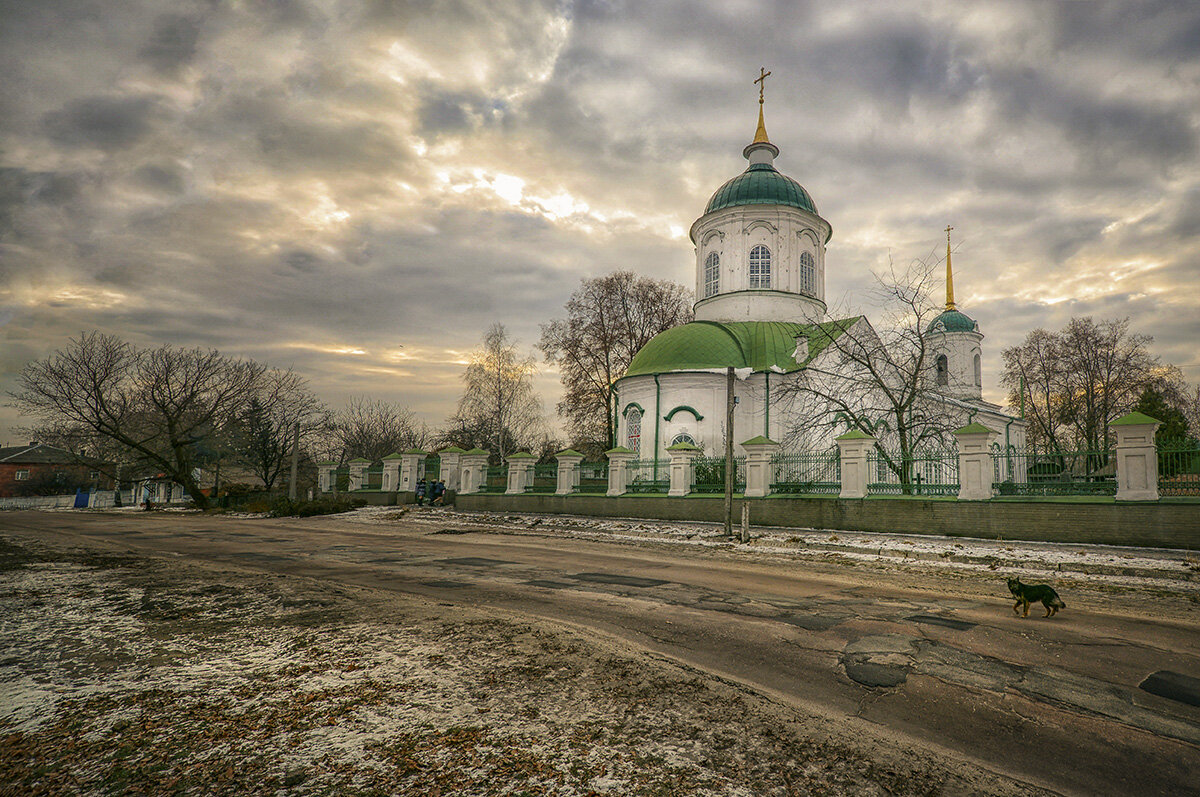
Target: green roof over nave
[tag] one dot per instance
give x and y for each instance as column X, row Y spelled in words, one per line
column 758, row 345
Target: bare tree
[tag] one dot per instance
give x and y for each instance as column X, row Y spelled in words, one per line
column 608, row 320
column 498, row 397
column 267, row 430
column 372, row 429
column 876, row 380
column 148, row 408
column 1075, row 383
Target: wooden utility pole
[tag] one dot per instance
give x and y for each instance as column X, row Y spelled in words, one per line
column 295, row 461
column 729, row 466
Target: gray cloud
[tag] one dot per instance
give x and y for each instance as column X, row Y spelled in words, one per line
column 173, row 43
column 108, row 123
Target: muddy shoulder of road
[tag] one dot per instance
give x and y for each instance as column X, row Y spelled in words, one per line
column 134, row 674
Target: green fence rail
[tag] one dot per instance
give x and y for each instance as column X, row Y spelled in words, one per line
column 1178, row 466
column 929, row 472
column 807, row 472
column 1038, row 472
column 646, row 476
column 433, row 468
column 496, row 480
column 545, row 479
column 593, row 478
column 710, row 475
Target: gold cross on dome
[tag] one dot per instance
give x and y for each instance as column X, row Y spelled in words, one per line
column 761, row 80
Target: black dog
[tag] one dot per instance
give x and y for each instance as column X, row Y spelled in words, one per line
column 1032, row 593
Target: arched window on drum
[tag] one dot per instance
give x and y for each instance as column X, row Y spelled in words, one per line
column 712, row 274
column 808, row 274
column 760, row 267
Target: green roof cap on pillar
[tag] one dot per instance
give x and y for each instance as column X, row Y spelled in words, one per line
column 415, row 451
column 570, row 452
column 683, row 446
column 394, row 455
column 1134, row 418
column 619, row 450
column 974, row 428
column 760, row 441
column 357, row 460
column 453, row 450
column 478, row 451
column 855, row 434
column 521, row 455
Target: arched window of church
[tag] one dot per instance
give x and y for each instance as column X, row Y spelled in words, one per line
column 712, row 274
column 978, row 370
column 633, row 430
column 760, row 267
column 943, row 370
column 683, row 437
column 807, row 274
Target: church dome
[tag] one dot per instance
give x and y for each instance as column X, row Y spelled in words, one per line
column 710, row 345
column 761, row 184
column 953, row 321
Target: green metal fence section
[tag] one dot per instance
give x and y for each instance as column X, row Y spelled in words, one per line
column 928, row 472
column 545, row 479
column 710, row 475
column 1044, row 472
column 1178, row 466
column 433, row 468
column 593, row 478
column 648, row 476
column 807, row 472
column 496, row 479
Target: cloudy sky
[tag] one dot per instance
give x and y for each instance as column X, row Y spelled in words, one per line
column 357, row 189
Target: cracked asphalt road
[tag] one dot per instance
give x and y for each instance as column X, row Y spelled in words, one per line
column 920, row 661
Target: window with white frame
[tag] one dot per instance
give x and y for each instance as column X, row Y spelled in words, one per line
column 760, row 267
column 21, row 475
column 808, row 274
column 683, row 437
column 633, row 429
column 712, row 274
column 943, row 370
column 978, row 370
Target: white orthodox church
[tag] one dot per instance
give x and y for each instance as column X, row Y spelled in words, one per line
column 760, row 287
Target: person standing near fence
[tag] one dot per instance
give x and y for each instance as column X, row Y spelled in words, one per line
column 421, row 489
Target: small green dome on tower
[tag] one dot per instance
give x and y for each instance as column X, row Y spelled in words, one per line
column 953, row 321
column 761, row 184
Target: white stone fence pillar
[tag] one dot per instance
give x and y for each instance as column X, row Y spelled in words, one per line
column 568, row 471
column 358, row 473
column 326, row 476
column 618, row 469
column 520, row 472
column 391, row 473
column 760, row 453
column 451, row 466
column 683, row 468
column 852, row 448
column 1137, row 457
column 411, row 462
column 474, row 471
column 975, row 462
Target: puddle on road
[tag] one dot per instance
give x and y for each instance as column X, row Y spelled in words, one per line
column 1173, row 686
column 947, row 622
column 624, row 581
column 475, row 561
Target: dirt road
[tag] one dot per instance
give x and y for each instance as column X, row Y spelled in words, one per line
column 733, row 673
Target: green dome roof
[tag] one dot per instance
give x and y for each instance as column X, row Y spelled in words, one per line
column 759, row 345
column 761, row 184
column 954, row 321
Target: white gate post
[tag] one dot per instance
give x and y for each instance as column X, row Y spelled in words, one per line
column 853, row 447
column 618, row 469
column 683, row 468
column 760, row 451
column 391, row 473
column 474, row 471
column 520, row 472
column 451, row 464
column 1137, row 457
column 975, row 462
column 568, row 471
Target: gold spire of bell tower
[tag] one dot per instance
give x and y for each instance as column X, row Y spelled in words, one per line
column 760, row 135
column 949, row 274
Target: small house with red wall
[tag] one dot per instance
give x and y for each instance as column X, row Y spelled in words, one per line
column 38, row 469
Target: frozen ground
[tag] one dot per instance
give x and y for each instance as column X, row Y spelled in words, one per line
column 128, row 675
column 1168, row 569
